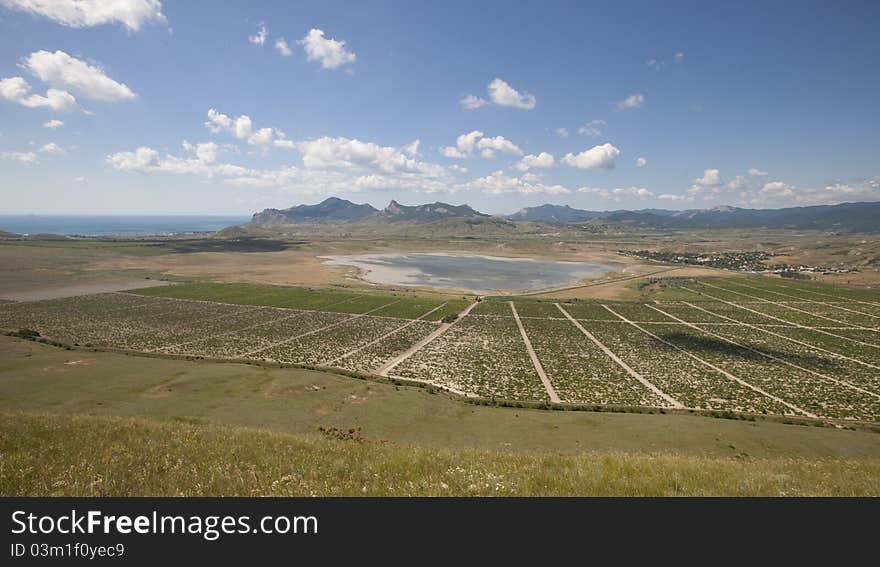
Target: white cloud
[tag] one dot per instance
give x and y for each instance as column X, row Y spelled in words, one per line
column 472, row 102
column 592, row 128
column 474, row 140
column 641, row 162
column 632, row 101
column 412, row 148
column 757, row 173
column 346, row 153
column 452, row 152
column 242, row 128
column 142, row 159
column 671, row 197
column 562, row 132
column 619, row 193
column 23, row 157
column 655, row 64
column 61, row 70
column 260, row 37
column 332, row 166
column 710, row 178
column 678, row 57
column 282, row 47
column 543, row 160
column 80, row 179
column 330, row 52
column 88, row 13
column 53, row 124
column 597, row 157
column 503, row 94
column 498, row 144
column 52, row 148
column 17, row 90
column 498, row 183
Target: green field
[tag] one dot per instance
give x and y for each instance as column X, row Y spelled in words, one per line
column 78, row 422
column 402, row 305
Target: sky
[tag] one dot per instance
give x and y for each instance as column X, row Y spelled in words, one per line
column 149, row 107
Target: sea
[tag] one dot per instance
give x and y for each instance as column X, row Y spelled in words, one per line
column 117, row 225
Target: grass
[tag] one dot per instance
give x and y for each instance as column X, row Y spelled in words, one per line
column 100, row 456
column 36, row 378
column 405, row 305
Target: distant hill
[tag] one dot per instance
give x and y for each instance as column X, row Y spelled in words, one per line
column 335, row 210
column 554, row 214
column 332, row 209
column 395, row 212
column 847, row 217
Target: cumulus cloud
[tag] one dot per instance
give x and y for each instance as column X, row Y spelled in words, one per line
column 242, row 128
column 259, row 38
column 757, row 172
column 63, row 71
column 23, row 157
column 412, row 148
column 641, row 162
column 562, row 132
column 331, row 165
column 88, row 13
column 17, row 90
column 543, row 160
column 53, row 148
column 498, row 183
column 597, row 157
column 282, row 47
column 632, row 101
column 472, row 102
column 592, row 128
column 331, row 53
column 475, row 140
column 53, row 124
column 347, row 153
column 503, row 94
column 619, row 193
column 710, row 178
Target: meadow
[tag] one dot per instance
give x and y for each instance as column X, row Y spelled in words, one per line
column 83, row 422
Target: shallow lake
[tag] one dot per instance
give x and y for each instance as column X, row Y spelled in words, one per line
column 480, row 274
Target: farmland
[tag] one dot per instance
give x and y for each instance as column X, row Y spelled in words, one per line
column 754, row 346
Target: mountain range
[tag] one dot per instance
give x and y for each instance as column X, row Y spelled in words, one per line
column 846, row 217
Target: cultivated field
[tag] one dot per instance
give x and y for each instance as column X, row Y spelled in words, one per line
column 748, row 345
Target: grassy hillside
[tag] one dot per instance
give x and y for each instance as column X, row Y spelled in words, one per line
column 99, row 456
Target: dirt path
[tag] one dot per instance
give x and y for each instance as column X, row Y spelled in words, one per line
column 713, row 367
column 802, row 300
column 789, row 323
column 535, row 361
column 312, row 332
column 785, row 306
column 644, row 381
column 763, row 330
column 383, row 337
column 394, row 362
column 768, row 356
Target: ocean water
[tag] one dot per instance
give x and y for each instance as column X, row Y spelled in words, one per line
column 113, row 225
column 480, row 274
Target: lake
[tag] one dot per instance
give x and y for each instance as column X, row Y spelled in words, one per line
column 479, row 274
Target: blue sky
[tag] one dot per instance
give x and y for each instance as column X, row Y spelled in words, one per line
column 758, row 104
